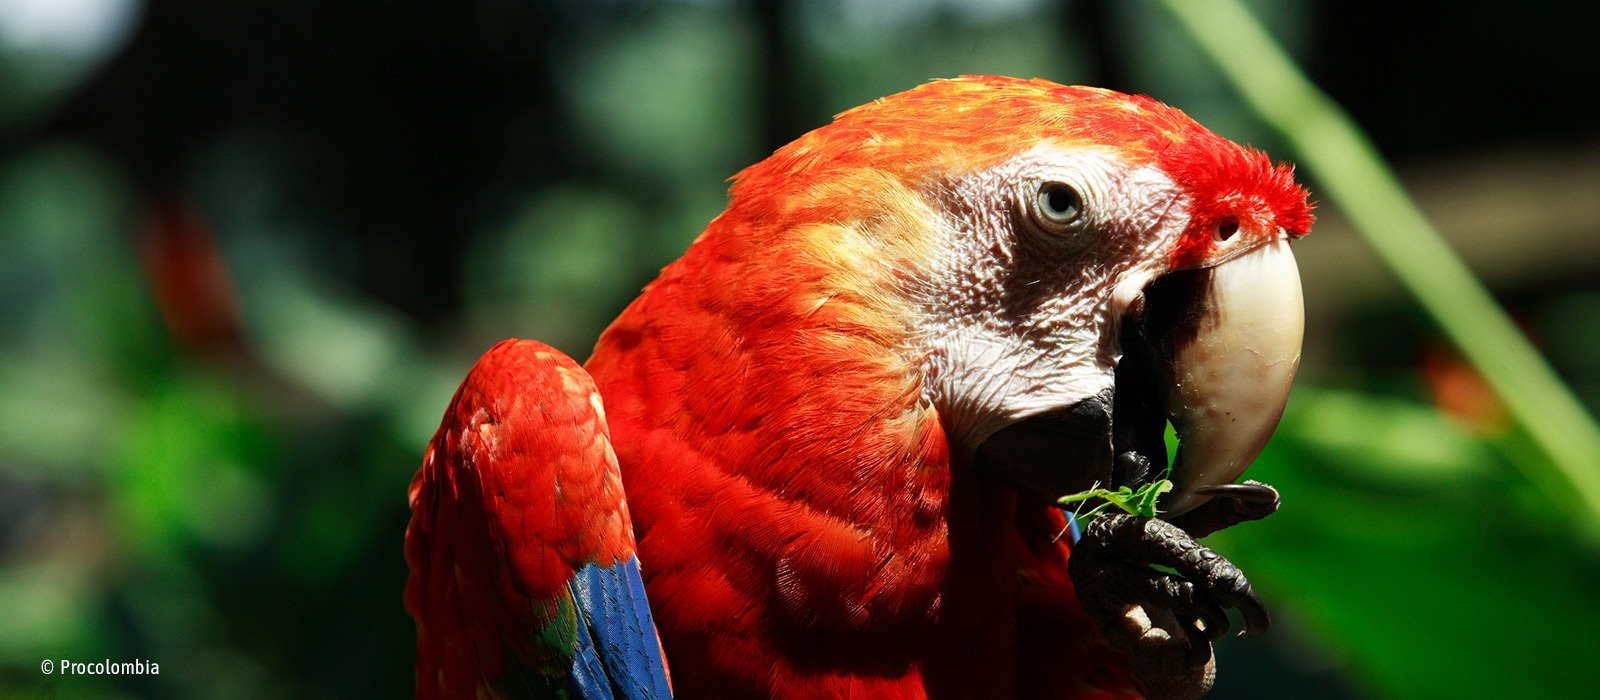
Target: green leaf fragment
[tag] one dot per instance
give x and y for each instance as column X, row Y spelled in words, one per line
column 1140, row 501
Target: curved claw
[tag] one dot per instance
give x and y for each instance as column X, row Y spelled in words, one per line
column 1256, row 619
column 1252, row 492
column 1228, row 505
column 1111, row 567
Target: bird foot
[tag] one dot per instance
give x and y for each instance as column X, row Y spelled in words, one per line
column 1159, row 597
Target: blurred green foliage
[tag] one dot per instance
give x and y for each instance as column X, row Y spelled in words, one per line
column 1410, row 548
column 393, row 186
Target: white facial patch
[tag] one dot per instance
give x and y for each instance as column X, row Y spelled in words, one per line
column 1018, row 319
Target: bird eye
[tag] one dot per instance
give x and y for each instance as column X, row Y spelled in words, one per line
column 1058, row 205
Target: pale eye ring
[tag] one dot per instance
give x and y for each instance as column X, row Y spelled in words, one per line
column 1058, row 205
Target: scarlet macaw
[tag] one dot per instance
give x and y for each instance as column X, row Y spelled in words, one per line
column 844, row 415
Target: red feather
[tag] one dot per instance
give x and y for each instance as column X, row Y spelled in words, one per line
column 519, row 488
column 1232, row 186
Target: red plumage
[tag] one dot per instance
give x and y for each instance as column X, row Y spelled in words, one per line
column 519, row 488
column 806, row 526
column 807, row 534
column 1233, row 187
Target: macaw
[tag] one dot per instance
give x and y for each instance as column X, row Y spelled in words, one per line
column 844, row 419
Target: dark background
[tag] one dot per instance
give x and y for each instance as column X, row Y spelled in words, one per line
column 248, row 249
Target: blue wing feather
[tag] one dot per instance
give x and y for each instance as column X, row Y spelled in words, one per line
column 589, row 679
column 618, row 633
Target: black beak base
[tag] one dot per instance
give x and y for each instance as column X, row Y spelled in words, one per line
column 1056, row 453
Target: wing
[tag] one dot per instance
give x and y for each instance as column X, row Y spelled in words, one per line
column 524, row 576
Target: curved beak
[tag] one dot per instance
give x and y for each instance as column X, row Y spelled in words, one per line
column 1212, row 350
column 1230, row 360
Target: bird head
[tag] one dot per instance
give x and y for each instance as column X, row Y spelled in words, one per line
column 1065, row 269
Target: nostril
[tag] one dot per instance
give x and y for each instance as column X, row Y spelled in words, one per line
column 1226, row 228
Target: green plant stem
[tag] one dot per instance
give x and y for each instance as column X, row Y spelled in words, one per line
column 1355, row 177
